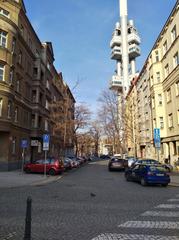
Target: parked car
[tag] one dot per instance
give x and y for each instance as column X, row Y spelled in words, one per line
column 67, row 164
column 131, row 160
column 53, row 166
column 117, row 164
column 148, row 174
column 168, row 167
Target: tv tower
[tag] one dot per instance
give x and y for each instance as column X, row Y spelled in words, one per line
column 125, row 48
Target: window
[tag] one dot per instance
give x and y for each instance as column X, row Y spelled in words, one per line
column 153, row 102
column 1, row 101
column 47, row 85
column 3, row 38
column 152, row 80
column 154, row 123
column 9, row 109
column 169, row 95
column 47, row 104
column 165, row 47
column 18, row 86
column 175, row 60
column 166, row 70
column 13, row 45
column 22, row 30
column 156, row 56
column 161, row 122
column 1, row 72
column 177, row 88
column 33, row 120
column 34, row 96
column 48, row 65
column 173, row 33
column 11, row 75
column 46, row 125
column 20, row 58
column 16, row 115
column 160, row 99
column 170, row 120
column 4, row 12
column 14, row 146
column 158, row 76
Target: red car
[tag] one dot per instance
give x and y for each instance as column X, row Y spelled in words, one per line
column 53, row 166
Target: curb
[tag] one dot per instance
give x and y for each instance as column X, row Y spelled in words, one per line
column 45, row 181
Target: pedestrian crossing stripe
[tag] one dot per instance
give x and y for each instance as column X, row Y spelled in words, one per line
column 150, row 224
column 173, row 200
column 170, row 206
column 161, row 214
column 115, row 236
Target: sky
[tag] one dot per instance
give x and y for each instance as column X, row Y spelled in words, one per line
column 81, row 31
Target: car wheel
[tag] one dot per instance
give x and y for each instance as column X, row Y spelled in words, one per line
column 27, row 170
column 127, row 178
column 109, row 169
column 52, row 172
column 143, row 182
column 164, row 184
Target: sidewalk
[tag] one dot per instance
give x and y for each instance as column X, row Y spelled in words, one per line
column 18, row 179
column 174, row 176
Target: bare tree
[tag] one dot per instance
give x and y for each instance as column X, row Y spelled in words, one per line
column 81, row 121
column 110, row 117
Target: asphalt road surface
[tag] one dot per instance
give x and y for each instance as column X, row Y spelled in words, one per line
column 91, row 203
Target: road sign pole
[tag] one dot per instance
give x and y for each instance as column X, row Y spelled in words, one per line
column 45, row 174
column 23, row 158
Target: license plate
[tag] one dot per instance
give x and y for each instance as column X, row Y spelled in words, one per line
column 116, row 164
column 160, row 174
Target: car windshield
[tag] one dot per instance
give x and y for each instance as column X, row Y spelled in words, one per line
column 157, row 169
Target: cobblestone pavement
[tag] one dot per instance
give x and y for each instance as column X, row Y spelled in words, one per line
column 91, row 204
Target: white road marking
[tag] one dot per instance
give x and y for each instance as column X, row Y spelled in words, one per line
column 173, row 200
column 161, row 214
column 170, row 206
column 115, row 236
column 150, row 224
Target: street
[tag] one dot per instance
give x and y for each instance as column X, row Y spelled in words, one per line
column 91, row 203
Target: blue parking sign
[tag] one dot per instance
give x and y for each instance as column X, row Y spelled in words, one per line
column 46, row 142
column 157, row 137
column 24, row 143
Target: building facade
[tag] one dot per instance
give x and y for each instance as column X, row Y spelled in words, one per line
column 158, row 95
column 29, row 87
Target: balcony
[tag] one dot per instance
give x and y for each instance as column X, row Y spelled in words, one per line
column 116, row 41
column 133, row 37
column 116, row 53
column 134, row 51
column 116, row 83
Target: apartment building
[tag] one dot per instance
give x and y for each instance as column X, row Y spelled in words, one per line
column 158, row 94
column 29, row 86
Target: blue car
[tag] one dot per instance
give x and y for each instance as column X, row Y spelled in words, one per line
column 148, row 174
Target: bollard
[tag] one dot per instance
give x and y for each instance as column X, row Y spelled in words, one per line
column 27, row 234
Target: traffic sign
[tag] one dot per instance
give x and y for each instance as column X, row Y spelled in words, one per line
column 157, row 141
column 24, row 143
column 46, row 142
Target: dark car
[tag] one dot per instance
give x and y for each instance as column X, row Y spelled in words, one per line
column 117, row 164
column 148, row 174
column 168, row 167
column 144, row 161
column 52, row 165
